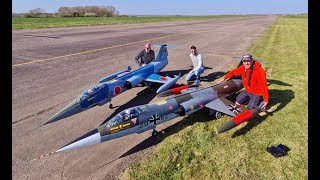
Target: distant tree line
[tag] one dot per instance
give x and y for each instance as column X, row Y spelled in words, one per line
column 79, row 11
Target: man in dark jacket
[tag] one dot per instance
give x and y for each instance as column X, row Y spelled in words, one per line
column 145, row 56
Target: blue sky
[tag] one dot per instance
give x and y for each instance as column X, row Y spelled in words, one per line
column 173, row 7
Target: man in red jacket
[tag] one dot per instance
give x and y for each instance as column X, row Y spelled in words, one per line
column 254, row 82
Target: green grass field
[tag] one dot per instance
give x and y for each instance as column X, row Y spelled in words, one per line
column 191, row 150
column 33, row 23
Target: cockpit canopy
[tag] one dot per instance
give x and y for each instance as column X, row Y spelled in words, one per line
column 126, row 115
column 89, row 92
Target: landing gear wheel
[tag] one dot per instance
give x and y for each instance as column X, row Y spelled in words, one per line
column 110, row 106
column 218, row 115
column 154, row 133
column 149, row 86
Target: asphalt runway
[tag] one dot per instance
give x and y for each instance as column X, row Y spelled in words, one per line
column 51, row 67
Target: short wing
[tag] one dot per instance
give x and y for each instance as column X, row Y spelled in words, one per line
column 166, row 81
column 158, row 79
column 225, row 106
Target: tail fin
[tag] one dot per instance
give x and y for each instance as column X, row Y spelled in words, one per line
column 163, row 53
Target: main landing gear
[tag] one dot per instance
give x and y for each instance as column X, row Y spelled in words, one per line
column 217, row 114
column 110, row 105
column 154, row 133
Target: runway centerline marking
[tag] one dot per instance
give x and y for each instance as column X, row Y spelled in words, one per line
column 105, row 48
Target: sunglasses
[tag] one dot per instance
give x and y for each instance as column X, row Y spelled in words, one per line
column 245, row 61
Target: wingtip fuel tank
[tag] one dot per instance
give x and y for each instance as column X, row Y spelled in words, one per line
column 239, row 119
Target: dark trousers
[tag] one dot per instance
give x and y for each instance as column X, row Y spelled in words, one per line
column 245, row 96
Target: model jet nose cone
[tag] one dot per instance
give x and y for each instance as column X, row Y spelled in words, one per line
column 90, row 138
column 69, row 110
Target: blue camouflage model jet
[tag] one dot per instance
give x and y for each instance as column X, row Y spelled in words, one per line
column 114, row 84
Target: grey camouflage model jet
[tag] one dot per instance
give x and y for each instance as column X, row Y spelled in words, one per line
column 141, row 118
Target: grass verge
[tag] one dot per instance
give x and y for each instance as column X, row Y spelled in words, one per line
column 194, row 152
column 52, row 22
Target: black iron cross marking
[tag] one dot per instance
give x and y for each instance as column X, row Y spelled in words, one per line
column 234, row 108
column 154, row 119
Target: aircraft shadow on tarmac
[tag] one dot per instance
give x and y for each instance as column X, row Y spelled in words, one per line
column 172, row 73
column 213, row 76
column 281, row 97
column 154, row 140
column 178, row 126
column 209, row 78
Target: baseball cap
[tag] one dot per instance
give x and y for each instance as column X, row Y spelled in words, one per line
column 247, row 57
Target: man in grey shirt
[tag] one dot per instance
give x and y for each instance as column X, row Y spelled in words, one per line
column 145, row 56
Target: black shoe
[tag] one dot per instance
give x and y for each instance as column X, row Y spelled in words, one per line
column 189, row 82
